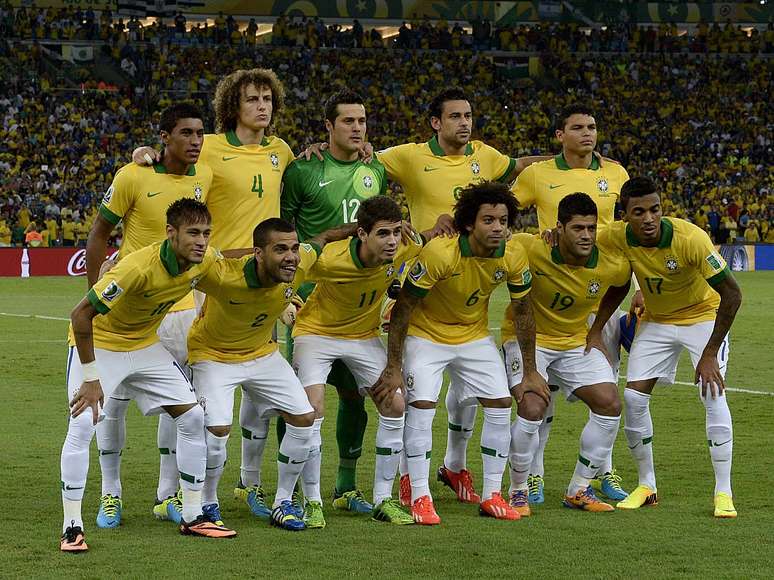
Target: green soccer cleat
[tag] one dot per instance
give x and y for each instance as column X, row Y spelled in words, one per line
column 170, row 509
column 352, row 501
column 313, row 515
column 390, row 511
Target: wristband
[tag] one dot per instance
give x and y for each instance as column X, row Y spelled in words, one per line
column 89, row 371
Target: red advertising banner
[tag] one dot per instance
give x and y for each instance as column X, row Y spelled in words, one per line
column 24, row 262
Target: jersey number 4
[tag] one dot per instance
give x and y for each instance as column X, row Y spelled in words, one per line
column 258, row 185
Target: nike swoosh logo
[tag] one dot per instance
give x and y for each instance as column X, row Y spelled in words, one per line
column 236, row 303
column 456, row 274
column 413, row 456
column 324, row 183
column 297, row 462
column 428, row 169
column 633, row 446
column 539, row 273
column 199, row 481
column 355, row 449
column 720, row 444
column 108, row 452
column 555, row 186
column 230, row 158
column 147, row 295
column 71, row 488
column 154, row 194
column 502, row 456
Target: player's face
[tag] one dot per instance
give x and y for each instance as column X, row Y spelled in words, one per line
column 383, row 239
column 279, row 258
column 491, row 227
column 255, row 107
column 189, row 241
column 579, row 135
column 644, row 215
column 349, row 129
column 184, row 143
column 577, row 236
column 456, row 123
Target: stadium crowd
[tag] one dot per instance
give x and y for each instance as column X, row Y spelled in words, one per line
column 700, row 124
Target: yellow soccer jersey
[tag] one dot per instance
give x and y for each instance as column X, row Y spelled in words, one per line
column 246, row 186
column 238, row 315
column 455, row 287
column 545, row 183
column 135, row 295
column 677, row 275
column 563, row 296
column 347, row 300
column 432, row 181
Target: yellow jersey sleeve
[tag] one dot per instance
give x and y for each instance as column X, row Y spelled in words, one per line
column 524, row 188
column 502, row 165
column 120, row 196
column 519, row 276
column 397, row 161
column 310, row 254
column 701, row 252
column 113, row 287
column 432, row 265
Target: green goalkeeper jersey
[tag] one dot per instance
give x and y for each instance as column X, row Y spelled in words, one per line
column 319, row 195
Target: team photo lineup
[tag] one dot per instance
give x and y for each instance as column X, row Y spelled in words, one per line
column 226, row 234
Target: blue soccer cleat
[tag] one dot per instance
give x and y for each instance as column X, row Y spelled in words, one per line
column 609, row 485
column 211, row 511
column 535, row 485
column 284, row 516
column 109, row 514
column 352, row 501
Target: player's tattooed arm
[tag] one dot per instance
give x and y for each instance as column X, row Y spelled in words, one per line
column 89, row 395
column 524, row 320
column 707, row 369
column 334, row 235
column 610, row 302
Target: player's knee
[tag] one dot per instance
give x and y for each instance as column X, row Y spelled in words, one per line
column 607, row 403
column 532, row 407
column 396, row 408
column 424, row 404
column 220, row 430
column 305, row 420
column 501, row 403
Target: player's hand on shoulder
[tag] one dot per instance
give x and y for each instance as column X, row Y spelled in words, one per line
column 708, row 375
column 146, row 156
column 408, row 234
column 444, row 226
column 288, row 316
column 366, row 153
column 551, row 237
column 88, row 396
column 315, row 149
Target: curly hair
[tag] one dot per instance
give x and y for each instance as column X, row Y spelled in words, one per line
column 474, row 196
column 229, row 91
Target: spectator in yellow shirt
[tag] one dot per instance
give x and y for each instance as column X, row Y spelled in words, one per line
column 751, row 235
column 53, row 232
column 5, row 234
column 68, row 232
column 81, row 232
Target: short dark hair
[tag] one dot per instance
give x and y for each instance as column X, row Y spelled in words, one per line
column 187, row 211
column 569, row 111
column 377, row 208
column 577, row 203
column 172, row 114
column 451, row 94
column 637, row 187
column 342, row 97
column 474, row 196
column 264, row 229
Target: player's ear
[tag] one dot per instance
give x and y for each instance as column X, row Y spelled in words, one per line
column 362, row 234
column 328, row 126
column 435, row 123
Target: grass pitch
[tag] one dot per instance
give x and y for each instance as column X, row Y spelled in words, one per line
column 677, row 539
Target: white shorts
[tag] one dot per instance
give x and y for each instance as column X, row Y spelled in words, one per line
column 268, row 381
column 314, row 355
column 567, row 369
column 173, row 334
column 611, row 336
column 656, row 349
column 475, row 368
column 150, row 376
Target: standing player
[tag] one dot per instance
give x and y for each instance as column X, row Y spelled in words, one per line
column 119, row 352
column 691, row 300
column 340, row 322
column 569, row 280
column 138, row 197
column 443, row 308
column 543, row 185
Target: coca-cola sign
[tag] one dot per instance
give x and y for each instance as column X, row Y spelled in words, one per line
column 45, row 261
column 77, row 264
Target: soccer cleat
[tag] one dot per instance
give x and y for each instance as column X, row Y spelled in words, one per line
column 519, row 501
column 73, row 540
column 298, row 502
column 423, row 511
column 497, row 507
column 353, row 501
column 169, row 509
column 255, row 498
column 405, row 490
column 313, row 515
column 205, row 527
column 390, row 511
column 588, row 502
column 109, row 514
column 535, row 485
column 461, row 483
column 641, row 496
column 211, row 511
column 609, row 485
column 284, row 516
column 724, row 506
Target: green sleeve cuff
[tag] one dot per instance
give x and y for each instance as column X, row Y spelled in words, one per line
column 504, row 176
column 109, row 215
column 415, row 290
column 317, row 249
column 516, row 289
column 96, row 303
column 719, row 277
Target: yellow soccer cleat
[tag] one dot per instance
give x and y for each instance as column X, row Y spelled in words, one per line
column 641, row 496
column 724, row 506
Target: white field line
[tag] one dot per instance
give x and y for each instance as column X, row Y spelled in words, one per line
column 35, row 316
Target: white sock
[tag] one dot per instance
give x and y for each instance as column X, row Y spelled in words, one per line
column 418, row 443
column 255, row 431
column 75, row 467
column 596, row 441
column 720, row 438
column 403, row 463
column 495, row 442
column 192, row 460
column 111, row 436
column 544, row 432
column 310, row 475
column 293, row 453
column 166, row 438
column 462, row 419
column 72, row 513
column 525, row 439
column 192, row 502
column 389, row 447
column 216, row 461
column 639, row 434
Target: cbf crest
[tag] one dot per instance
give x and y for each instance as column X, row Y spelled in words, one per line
column 475, row 167
column 516, row 364
column 410, row 380
column 390, row 271
column 499, row 275
column 592, row 290
column 197, row 191
column 368, row 181
column 195, row 281
column 288, row 292
column 602, row 185
column 274, row 161
column 671, row 263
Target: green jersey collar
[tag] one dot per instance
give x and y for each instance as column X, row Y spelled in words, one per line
column 159, row 168
column 466, row 252
column 169, row 259
column 251, row 273
column 232, row 139
column 556, row 257
column 435, row 147
column 561, row 163
column 667, row 232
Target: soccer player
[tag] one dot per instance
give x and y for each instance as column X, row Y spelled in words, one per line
column 691, row 300
column 443, row 308
column 138, row 197
column 231, row 344
column 543, row 185
column 569, row 279
column 118, row 353
column 340, row 322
